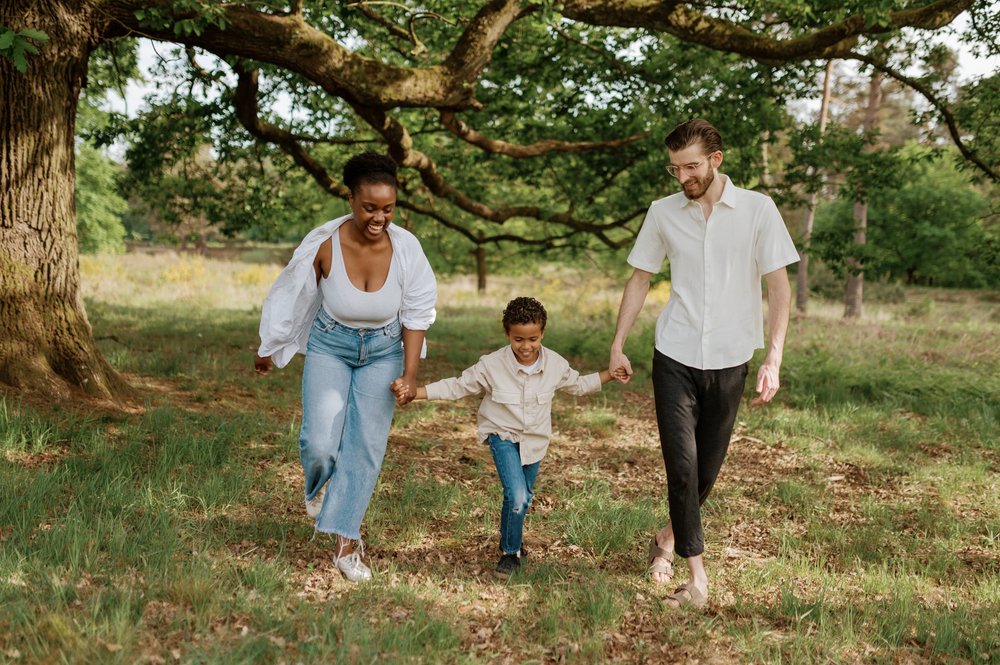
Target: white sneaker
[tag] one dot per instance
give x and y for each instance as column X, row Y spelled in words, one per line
column 351, row 566
column 315, row 504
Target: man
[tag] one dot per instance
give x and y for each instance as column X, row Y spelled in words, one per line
column 720, row 240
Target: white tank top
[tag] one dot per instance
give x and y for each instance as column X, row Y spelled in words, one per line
column 356, row 308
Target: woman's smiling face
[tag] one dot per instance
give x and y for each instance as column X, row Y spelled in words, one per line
column 373, row 205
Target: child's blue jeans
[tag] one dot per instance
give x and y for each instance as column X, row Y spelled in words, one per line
column 518, row 482
column 347, row 411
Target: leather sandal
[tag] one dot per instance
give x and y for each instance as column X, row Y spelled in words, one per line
column 688, row 595
column 655, row 552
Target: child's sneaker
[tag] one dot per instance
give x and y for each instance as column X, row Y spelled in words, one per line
column 507, row 565
column 351, row 566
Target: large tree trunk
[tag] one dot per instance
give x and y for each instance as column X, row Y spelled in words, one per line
column 856, row 275
column 802, row 273
column 46, row 343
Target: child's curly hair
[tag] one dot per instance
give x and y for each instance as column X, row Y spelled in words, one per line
column 522, row 310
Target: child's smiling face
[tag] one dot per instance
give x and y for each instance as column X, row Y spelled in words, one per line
column 525, row 340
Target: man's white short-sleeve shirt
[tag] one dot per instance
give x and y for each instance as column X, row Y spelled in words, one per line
column 714, row 317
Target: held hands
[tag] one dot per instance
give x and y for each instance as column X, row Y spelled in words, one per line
column 621, row 375
column 767, row 382
column 404, row 389
column 620, row 367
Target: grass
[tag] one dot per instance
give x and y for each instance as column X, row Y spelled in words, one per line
column 857, row 519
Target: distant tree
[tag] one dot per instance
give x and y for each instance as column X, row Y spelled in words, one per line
column 99, row 207
column 802, row 271
column 928, row 230
column 854, row 287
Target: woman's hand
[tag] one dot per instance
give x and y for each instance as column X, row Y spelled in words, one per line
column 405, row 389
column 262, row 365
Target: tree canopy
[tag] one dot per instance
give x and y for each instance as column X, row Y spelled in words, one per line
column 533, row 121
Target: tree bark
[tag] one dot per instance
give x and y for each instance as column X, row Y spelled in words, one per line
column 46, row 342
column 856, row 275
column 480, row 266
column 802, row 274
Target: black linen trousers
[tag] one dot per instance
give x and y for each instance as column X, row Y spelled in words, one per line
column 695, row 413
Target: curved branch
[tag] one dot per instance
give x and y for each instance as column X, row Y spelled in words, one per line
column 200, row 71
column 401, row 149
column 245, row 100
column 393, row 29
column 414, row 16
column 691, row 25
column 469, row 135
column 247, row 112
column 409, row 204
column 938, row 104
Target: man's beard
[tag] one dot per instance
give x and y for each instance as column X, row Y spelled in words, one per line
column 698, row 186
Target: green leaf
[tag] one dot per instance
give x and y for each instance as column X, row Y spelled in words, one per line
column 17, row 55
column 7, row 39
column 37, row 35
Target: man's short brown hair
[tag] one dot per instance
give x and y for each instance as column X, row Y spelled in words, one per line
column 693, row 131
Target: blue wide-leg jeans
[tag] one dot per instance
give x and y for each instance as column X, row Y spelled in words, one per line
column 518, row 484
column 347, row 409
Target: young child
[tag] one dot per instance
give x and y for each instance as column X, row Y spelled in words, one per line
column 517, row 383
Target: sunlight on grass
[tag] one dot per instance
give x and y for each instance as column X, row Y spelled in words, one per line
column 23, row 432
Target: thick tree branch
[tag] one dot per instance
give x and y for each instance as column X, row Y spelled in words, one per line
column 474, row 48
column 938, row 104
column 469, row 135
column 211, row 78
column 291, row 43
column 694, row 26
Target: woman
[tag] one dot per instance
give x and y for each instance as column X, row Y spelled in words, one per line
column 358, row 296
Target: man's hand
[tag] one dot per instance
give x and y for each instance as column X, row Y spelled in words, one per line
column 767, row 383
column 620, row 367
column 779, row 298
column 262, row 365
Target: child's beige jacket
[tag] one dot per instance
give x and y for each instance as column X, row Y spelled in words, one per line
column 516, row 405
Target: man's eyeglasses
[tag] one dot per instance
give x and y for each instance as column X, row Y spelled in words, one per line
column 675, row 170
